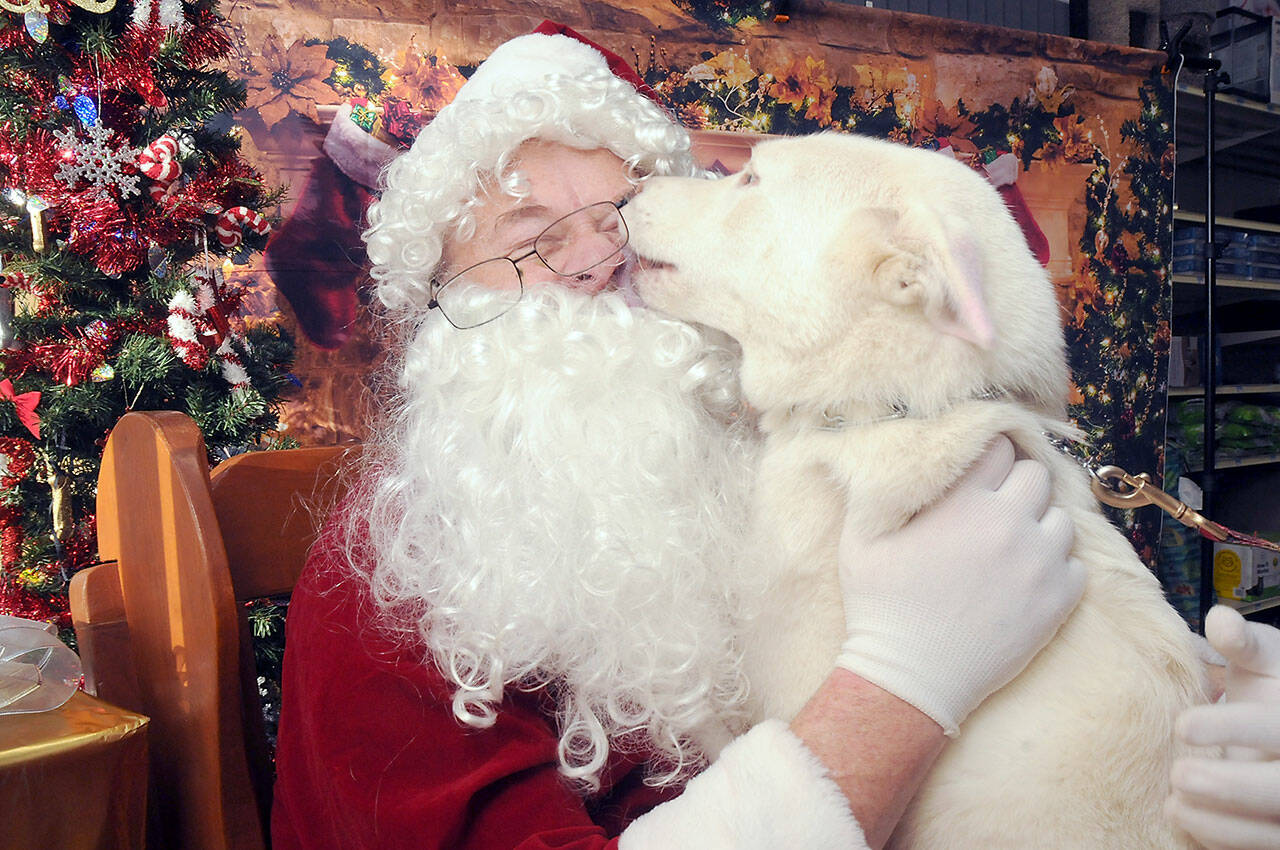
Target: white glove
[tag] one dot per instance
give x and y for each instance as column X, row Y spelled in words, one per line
column 1234, row 802
column 953, row 605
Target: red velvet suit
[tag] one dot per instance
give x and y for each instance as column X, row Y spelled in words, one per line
column 370, row 754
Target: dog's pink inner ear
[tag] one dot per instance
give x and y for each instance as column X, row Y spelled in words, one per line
column 964, row 310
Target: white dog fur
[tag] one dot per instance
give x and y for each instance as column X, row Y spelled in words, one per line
column 863, row 277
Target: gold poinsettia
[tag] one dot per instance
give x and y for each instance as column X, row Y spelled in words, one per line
column 427, row 82
column 726, row 67
column 1077, row 146
column 936, row 120
column 281, row 81
column 820, row 107
column 801, row 82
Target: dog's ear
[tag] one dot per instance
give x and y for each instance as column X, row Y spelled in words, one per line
column 938, row 267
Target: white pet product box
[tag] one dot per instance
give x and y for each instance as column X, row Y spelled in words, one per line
column 1184, row 361
column 1249, row 46
column 1245, row 573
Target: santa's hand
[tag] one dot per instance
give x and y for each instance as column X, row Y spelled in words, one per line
column 1234, row 801
column 953, row 605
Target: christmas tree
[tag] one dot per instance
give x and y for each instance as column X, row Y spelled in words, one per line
column 122, row 197
column 1118, row 326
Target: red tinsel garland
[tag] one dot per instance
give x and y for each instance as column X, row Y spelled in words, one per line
column 128, row 74
column 19, row 602
column 69, row 362
column 10, row 537
column 205, row 39
column 20, row 457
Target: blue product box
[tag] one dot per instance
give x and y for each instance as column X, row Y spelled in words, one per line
column 1188, row 248
column 1264, row 272
column 1266, row 241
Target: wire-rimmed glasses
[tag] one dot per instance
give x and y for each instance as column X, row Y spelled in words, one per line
column 582, row 241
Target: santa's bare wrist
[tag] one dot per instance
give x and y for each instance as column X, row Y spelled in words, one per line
column 877, row 747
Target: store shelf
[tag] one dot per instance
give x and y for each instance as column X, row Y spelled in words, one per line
column 1241, row 462
column 1246, row 148
column 1247, row 129
column 1192, row 217
column 1229, row 282
column 1227, row 389
column 1253, row 460
column 1247, row 608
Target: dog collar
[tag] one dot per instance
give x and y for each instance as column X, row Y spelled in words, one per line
column 836, row 422
column 831, row 421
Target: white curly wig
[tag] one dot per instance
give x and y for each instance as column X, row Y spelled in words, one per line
column 548, row 87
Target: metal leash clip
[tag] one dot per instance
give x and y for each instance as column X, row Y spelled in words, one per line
column 1113, row 486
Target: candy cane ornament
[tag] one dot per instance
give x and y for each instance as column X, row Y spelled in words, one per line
column 158, row 161
column 199, row 331
column 231, row 224
column 157, row 192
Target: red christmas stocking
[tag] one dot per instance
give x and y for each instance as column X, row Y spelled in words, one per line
column 1003, row 174
column 316, row 257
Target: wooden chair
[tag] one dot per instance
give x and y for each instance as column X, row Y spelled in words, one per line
column 162, row 629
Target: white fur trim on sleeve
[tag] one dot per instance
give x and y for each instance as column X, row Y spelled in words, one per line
column 767, row 790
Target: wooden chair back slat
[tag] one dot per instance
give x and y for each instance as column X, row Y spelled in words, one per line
column 267, row 505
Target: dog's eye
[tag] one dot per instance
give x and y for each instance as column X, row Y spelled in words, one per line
column 747, row 177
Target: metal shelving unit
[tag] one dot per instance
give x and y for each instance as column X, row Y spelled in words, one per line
column 1227, row 389
column 1247, row 608
column 1225, row 142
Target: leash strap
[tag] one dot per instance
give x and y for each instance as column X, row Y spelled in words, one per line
column 1112, row 486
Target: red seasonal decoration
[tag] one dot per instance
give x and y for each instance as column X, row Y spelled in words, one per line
column 25, row 405
column 159, row 162
column 400, row 122
column 10, row 539
column 199, row 328
column 19, row 457
column 233, row 221
column 70, row 362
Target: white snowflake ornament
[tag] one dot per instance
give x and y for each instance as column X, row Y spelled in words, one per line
column 97, row 160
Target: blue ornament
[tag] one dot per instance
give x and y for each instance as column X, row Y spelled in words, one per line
column 61, row 102
column 293, row 379
column 86, row 110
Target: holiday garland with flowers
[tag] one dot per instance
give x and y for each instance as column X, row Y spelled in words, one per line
column 123, row 196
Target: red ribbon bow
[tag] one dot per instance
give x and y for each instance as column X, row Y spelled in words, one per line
column 25, row 404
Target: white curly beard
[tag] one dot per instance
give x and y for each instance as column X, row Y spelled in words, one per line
column 561, row 495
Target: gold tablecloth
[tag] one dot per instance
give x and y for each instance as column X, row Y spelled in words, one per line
column 73, row 779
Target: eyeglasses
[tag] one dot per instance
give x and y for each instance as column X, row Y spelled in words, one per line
column 583, row 241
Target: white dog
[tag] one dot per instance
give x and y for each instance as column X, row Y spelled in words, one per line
column 892, row 322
